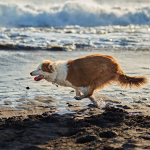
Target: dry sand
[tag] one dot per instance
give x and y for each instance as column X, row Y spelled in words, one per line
column 123, row 124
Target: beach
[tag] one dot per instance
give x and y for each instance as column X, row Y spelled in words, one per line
column 44, row 116
column 39, row 115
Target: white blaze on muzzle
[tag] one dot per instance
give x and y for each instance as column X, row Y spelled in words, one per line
column 38, row 75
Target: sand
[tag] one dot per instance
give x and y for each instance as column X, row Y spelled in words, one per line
column 36, row 116
column 115, row 127
column 110, row 129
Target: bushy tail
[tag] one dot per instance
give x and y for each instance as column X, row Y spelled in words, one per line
column 126, row 81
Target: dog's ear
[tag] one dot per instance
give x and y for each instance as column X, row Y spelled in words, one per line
column 50, row 67
column 47, row 67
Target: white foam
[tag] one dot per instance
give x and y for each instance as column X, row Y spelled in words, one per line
column 75, row 12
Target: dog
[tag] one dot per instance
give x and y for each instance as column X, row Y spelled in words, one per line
column 86, row 75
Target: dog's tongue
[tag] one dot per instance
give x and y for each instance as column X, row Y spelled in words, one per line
column 38, row 78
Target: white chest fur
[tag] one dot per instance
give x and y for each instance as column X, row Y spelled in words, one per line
column 61, row 69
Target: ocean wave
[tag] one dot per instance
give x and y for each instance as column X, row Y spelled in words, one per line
column 72, row 13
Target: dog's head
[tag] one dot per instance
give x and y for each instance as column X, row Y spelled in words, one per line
column 44, row 71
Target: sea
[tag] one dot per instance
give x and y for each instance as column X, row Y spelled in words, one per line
column 71, row 24
column 34, row 30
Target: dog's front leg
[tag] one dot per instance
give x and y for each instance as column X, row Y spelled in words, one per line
column 87, row 92
column 78, row 93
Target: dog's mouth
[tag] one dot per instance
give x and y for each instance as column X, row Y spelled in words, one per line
column 38, row 78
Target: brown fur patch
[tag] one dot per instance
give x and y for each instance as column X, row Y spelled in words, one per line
column 94, row 69
column 47, row 67
column 97, row 71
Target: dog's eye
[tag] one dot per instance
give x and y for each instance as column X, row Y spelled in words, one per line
column 39, row 69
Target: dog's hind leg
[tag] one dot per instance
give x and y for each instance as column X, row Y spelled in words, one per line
column 93, row 100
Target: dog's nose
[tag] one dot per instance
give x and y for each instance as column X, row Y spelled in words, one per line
column 31, row 73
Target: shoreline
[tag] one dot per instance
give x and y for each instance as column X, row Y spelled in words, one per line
column 70, row 48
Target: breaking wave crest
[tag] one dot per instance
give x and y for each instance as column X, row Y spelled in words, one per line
column 72, row 13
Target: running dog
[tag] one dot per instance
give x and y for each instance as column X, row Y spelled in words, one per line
column 86, row 75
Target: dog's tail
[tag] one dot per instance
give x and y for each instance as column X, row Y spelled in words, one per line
column 126, row 81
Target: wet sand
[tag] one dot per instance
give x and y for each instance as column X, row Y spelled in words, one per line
column 115, row 127
column 108, row 129
column 41, row 116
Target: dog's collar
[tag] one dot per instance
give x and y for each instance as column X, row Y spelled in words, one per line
column 54, row 83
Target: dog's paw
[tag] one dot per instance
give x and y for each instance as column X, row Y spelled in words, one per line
column 77, row 97
column 99, row 103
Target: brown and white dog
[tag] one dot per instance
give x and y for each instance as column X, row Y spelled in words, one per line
column 86, row 74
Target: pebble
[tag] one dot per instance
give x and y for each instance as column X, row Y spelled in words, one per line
column 71, row 105
column 27, row 88
column 144, row 98
column 8, row 103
